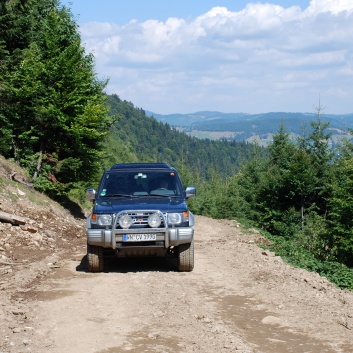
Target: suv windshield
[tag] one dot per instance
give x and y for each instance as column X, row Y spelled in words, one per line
column 140, row 183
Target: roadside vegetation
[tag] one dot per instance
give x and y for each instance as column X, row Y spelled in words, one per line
column 300, row 195
column 59, row 125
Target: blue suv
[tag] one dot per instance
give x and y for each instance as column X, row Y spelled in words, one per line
column 139, row 210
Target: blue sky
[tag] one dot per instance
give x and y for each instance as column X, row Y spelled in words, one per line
column 123, row 11
column 183, row 56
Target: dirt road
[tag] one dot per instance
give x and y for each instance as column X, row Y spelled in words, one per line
column 239, row 298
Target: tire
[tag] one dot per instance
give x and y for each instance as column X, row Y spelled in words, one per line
column 186, row 257
column 95, row 258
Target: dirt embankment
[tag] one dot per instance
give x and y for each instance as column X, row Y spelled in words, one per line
column 239, row 298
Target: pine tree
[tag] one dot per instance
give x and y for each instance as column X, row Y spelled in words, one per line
column 339, row 239
column 53, row 109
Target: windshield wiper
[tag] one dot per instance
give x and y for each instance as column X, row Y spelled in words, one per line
column 162, row 195
column 119, row 195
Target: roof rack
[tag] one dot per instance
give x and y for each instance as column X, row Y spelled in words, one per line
column 141, row 165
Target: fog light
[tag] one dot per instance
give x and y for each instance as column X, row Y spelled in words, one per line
column 154, row 220
column 125, row 221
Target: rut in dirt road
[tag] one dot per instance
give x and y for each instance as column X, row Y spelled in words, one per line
column 239, row 298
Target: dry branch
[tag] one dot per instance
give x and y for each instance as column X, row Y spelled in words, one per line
column 13, row 177
column 9, row 263
column 11, row 218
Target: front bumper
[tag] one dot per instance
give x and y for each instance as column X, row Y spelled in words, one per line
column 166, row 237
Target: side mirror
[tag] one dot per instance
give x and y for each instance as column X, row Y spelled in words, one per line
column 190, row 191
column 91, row 194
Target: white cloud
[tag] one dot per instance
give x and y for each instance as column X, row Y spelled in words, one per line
column 265, row 57
column 331, row 6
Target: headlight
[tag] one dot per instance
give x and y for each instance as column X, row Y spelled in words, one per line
column 125, row 221
column 154, row 220
column 178, row 218
column 102, row 219
column 174, row 218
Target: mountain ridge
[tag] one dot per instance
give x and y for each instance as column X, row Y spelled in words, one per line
column 253, row 127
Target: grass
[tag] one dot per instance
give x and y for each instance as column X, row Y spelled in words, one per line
column 293, row 253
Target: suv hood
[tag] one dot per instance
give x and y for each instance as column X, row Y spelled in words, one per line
column 163, row 204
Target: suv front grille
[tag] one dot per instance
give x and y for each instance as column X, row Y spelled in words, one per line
column 140, row 219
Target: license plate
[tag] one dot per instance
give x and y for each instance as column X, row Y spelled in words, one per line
column 140, row 237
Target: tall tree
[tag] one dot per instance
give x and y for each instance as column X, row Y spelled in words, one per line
column 54, row 106
column 339, row 240
column 279, row 193
column 318, row 146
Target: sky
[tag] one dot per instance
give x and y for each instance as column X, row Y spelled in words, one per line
column 185, row 56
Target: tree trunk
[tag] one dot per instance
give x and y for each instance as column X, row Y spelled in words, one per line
column 302, row 212
column 11, row 218
column 39, row 162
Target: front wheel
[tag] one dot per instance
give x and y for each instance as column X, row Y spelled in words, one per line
column 95, row 258
column 186, row 257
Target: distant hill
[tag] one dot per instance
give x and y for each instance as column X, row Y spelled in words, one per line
column 137, row 137
column 252, row 127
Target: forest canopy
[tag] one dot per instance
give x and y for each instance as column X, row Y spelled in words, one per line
column 52, row 105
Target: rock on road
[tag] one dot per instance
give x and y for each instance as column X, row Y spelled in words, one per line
column 239, row 298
